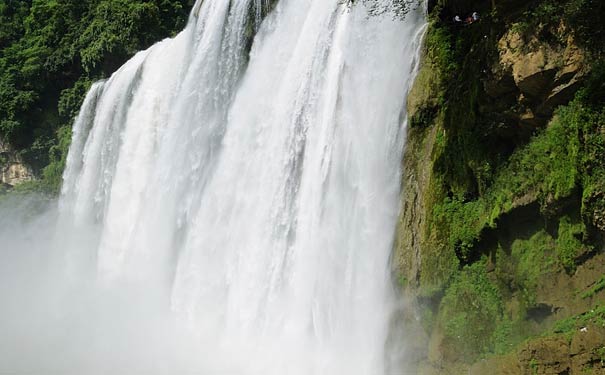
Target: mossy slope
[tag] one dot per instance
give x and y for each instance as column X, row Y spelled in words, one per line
column 501, row 231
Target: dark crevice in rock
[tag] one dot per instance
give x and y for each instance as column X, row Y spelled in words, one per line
column 541, row 312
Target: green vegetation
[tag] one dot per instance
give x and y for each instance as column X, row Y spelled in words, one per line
column 569, row 242
column 471, row 313
column 571, row 325
column 582, row 18
column 551, row 167
column 518, row 270
column 504, row 214
column 533, row 364
column 51, row 51
column 478, row 180
column 530, row 259
column 601, row 353
column 599, row 286
column 463, row 152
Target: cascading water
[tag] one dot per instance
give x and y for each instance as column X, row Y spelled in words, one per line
column 253, row 197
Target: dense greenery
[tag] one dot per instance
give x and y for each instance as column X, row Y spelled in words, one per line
column 479, row 176
column 564, row 158
column 465, row 155
column 582, row 17
column 472, row 312
column 484, row 267
column 51, row 51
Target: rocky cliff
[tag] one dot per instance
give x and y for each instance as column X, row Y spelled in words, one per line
column 500, row 239
column 13, row 170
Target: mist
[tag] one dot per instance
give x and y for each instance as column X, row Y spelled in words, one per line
column 220, row 215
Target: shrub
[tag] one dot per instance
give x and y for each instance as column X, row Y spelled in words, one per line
column 471, row 311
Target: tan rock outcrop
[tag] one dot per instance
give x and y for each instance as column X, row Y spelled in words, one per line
column 533, row 78
column 538, row 68
column 13, row 170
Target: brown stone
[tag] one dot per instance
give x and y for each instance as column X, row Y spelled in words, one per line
column 536, row 83
column 13, row 170
column 560, row 95
column 536, row 77
column 587, row 339
column 548, row 356
column 503, row 365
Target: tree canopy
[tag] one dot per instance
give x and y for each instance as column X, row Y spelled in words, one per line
column 51, row 50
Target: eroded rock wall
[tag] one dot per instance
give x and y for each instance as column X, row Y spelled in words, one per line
column 13, row 169
column 490, row 259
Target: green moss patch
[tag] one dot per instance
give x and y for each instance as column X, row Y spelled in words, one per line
column 470, row 313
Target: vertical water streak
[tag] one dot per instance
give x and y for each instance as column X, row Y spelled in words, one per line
column 261, row 199
column 175, row 119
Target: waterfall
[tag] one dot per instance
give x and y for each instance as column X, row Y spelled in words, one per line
column 253, row 195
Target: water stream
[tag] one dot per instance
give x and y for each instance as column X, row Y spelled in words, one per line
column 225, row 212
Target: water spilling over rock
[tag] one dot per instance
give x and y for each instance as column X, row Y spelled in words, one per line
column 253, row 197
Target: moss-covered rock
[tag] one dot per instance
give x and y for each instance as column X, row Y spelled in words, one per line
column 502, row 202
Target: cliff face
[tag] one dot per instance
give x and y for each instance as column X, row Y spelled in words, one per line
column 13, row 170
column 500, row 237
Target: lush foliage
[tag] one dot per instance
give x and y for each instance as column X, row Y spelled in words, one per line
column 50, row 52
column 476, row 322
column 477, row 175
column 480, row 182
column 471, row 312
column 466, row 153
column 534, row 206
column 582, row 17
